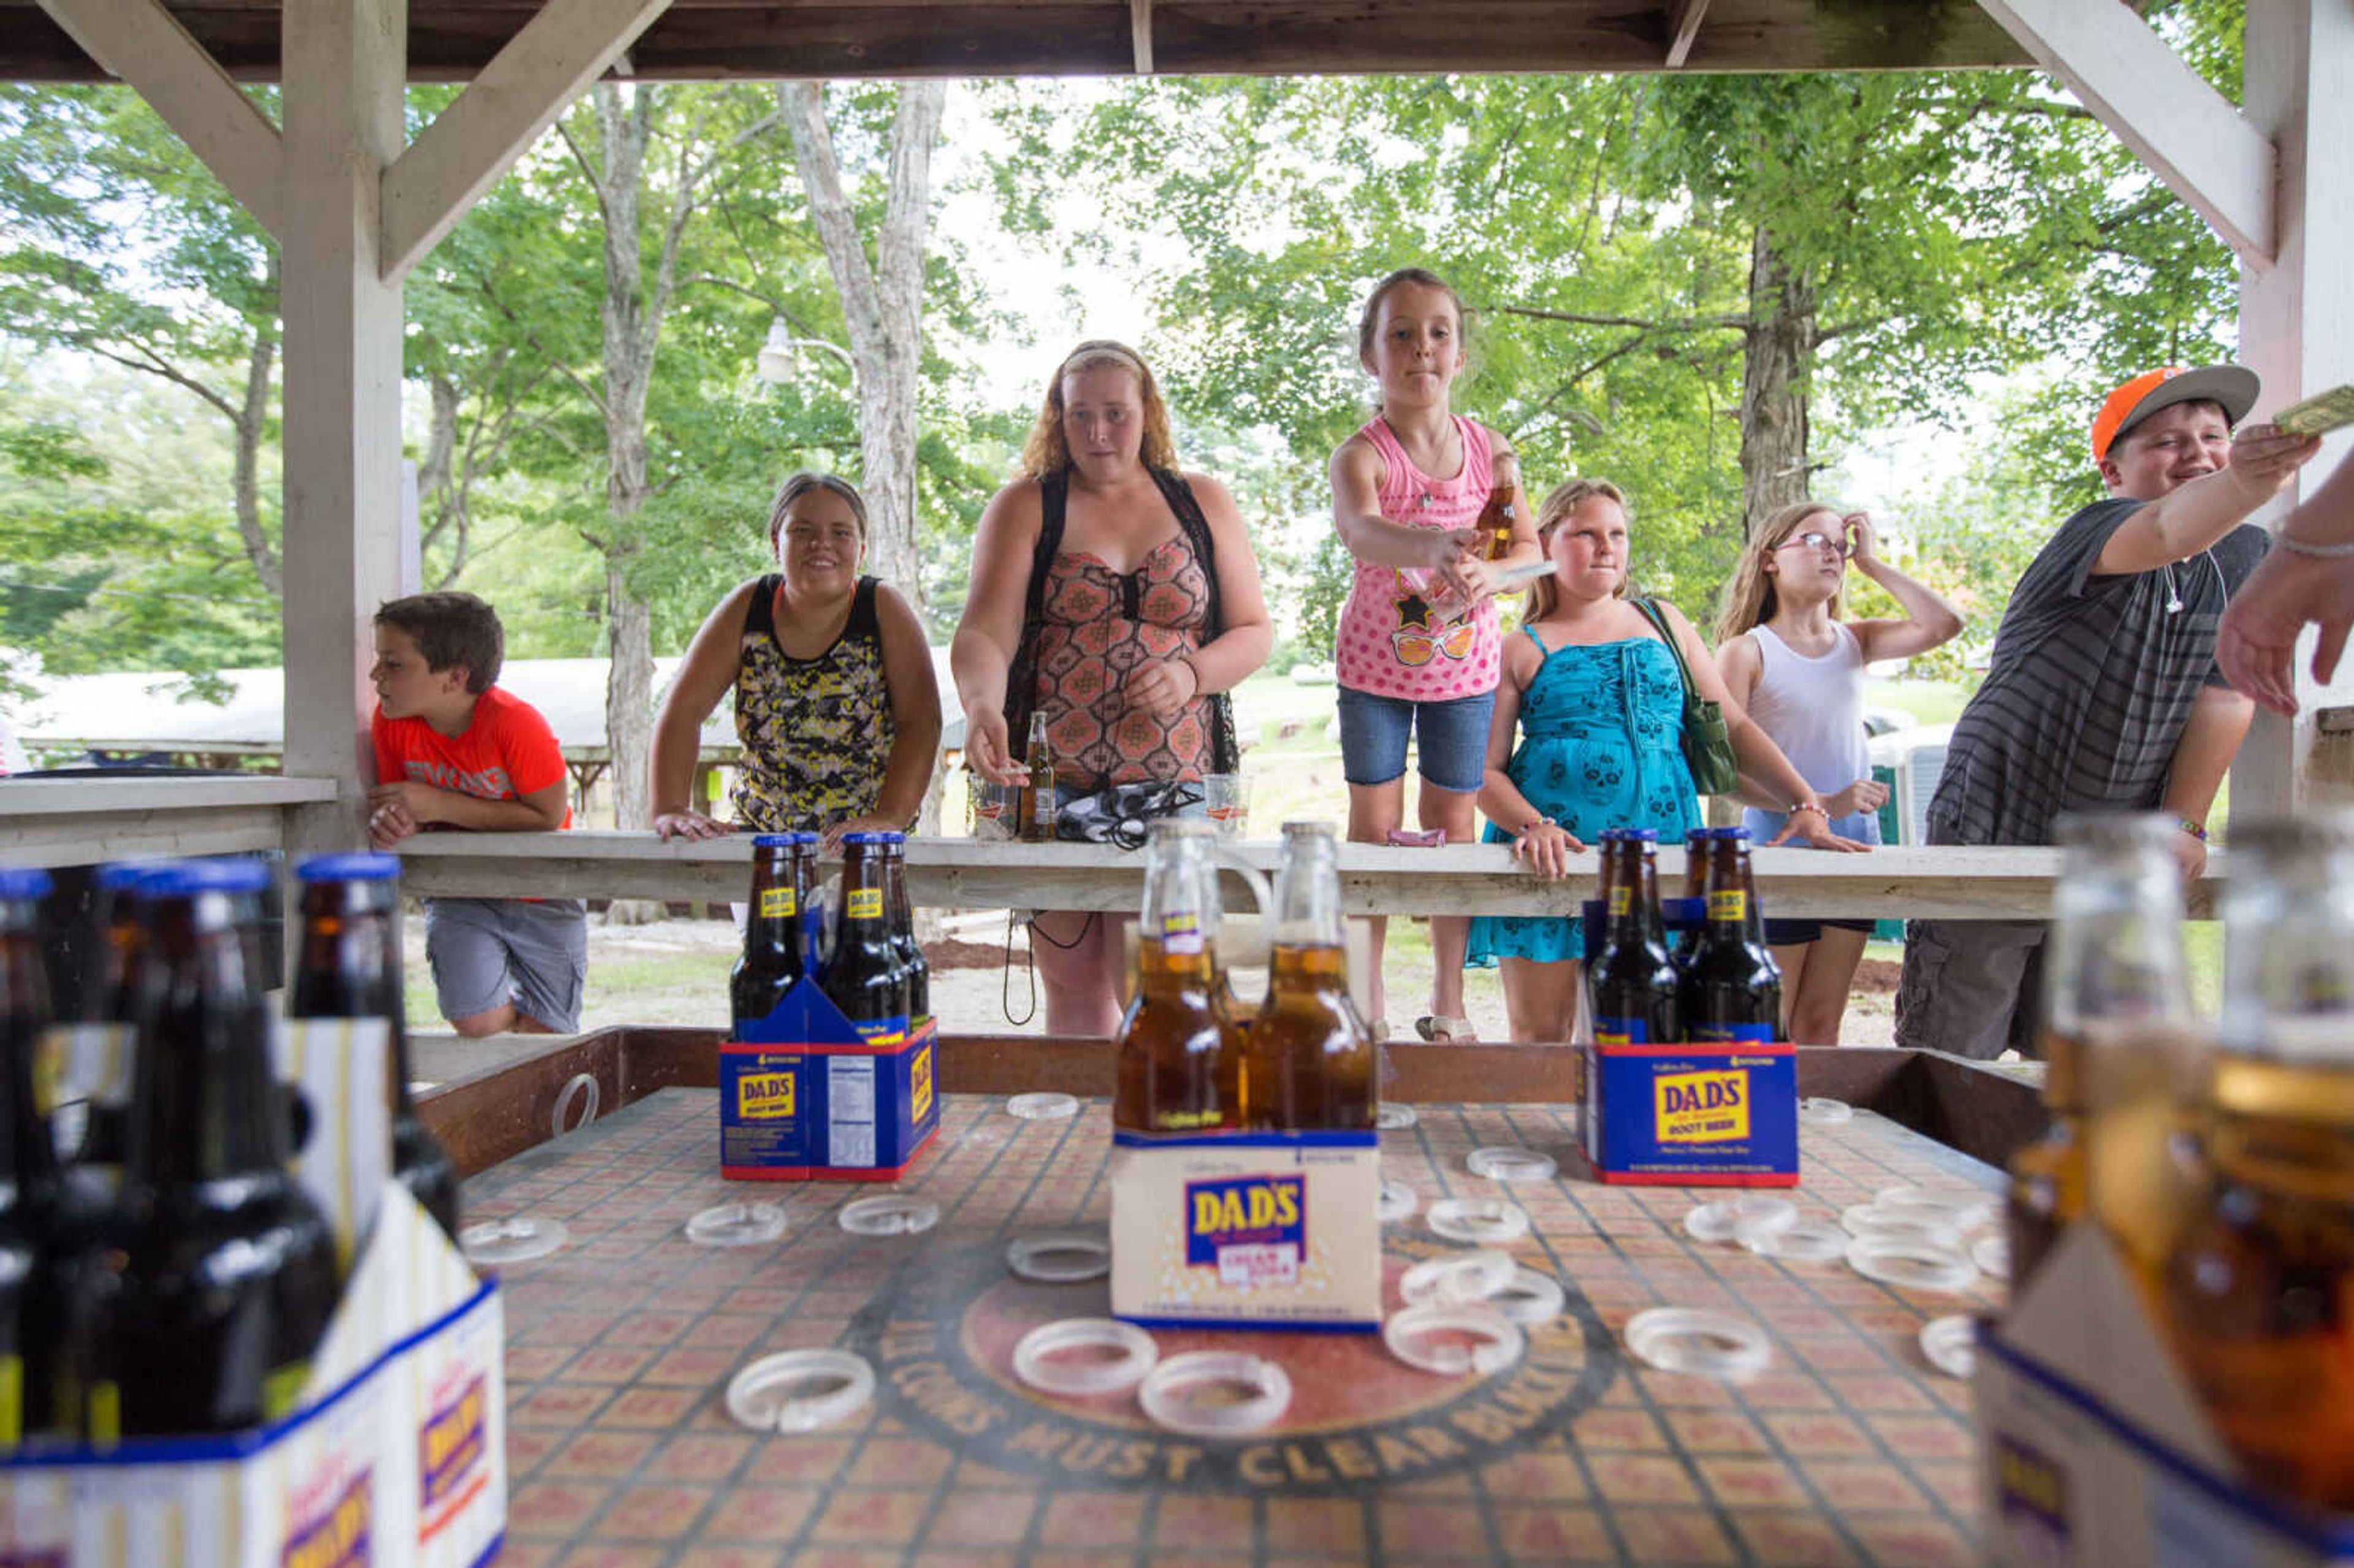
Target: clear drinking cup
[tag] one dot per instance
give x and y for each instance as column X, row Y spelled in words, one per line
column 1228, row 797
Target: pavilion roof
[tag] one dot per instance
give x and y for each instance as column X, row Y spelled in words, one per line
column 452, row 40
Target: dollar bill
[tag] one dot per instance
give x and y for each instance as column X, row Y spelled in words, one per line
column 2325, row 411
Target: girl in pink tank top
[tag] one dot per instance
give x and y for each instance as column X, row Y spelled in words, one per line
column 1417, row 649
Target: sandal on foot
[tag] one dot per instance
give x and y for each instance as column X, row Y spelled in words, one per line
column 1440, row 1029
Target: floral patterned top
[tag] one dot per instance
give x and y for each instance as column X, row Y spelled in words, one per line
column 1097, row 628
column 815, row 732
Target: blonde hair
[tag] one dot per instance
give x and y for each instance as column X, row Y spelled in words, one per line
column 1749, row 597
column 1046, row 452
column 1559, row 503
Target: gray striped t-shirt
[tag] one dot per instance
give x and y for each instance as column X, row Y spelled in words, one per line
column 2092, row 680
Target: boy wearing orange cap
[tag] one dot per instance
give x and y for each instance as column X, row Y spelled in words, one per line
column 2103, row 693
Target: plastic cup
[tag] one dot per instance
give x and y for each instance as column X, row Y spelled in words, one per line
column 1228, row 797
column 993, row 807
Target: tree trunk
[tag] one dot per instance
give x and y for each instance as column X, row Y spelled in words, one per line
column 625, row 116
column 1777, row 357
column 252, row 422
column 882, row 304
column 440, row 495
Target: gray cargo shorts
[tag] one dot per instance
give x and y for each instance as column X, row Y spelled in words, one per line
column 1972, row 987
column 486, row 952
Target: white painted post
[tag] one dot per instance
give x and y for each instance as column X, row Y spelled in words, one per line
column 2296, row 317
column 344, row 64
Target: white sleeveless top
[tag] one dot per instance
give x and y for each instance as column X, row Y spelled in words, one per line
column 1814, row 710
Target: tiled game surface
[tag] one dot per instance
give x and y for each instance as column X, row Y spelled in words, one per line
column 1848, row 1449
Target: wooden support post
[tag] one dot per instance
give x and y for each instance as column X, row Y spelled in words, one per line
column 1684, row 29
column 145, row 45
column 563, row 48
column 345, row 61
column 1140, row 27
column 2296, row 316
column 2187, row 133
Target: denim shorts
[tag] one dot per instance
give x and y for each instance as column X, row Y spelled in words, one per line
column 1451, row 738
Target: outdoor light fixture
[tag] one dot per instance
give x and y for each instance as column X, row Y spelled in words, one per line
column 781, row 356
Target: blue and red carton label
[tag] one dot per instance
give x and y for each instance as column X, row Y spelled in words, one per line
column 805, row 1095
column 1703, row 1114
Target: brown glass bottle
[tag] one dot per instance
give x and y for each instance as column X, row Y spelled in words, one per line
column 32, row 1269
column 777, row 950
column 1499, row 516
column 1633, row 995
column 202, row 1309
column 914, row 968
column 864, row 976
column 1731, row 988
column 349, row 967
column 1308, row 1061
column 2258, row 1292
column 1178, row 1069
column 1037, row 799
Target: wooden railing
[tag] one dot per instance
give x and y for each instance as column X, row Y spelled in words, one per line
column 82, row 822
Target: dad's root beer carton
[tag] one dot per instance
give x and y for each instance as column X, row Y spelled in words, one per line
column 804, row 1097
column 1248, row 1230
column 1715, row 1115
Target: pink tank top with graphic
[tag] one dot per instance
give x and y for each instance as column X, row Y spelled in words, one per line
column 1391, row 642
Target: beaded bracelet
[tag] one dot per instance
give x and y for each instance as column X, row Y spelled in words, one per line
column 2196, row 830
column 1816, row 806
column 2306, row 547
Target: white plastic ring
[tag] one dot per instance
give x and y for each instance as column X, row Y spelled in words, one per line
column 1709, row 1222
column 889, row 1214
column 1035, row 1364
column 762, row 1395
column 580, row 1082
column 1164, row 1387
column 1044, row 1105
column 1899, row 1225
column 1504, row 1163
column 1802, row 1241
column 1529, row 1297
column 1756, row 1217
column 1694, row 1340
column 1818, row 1111
column 517, row 1240
column 1991, row 1253
column 1060, row 1257
column 1501, row 1342
column 1960, row 1208
column 736, row 1224
column 1951, row 1344
column 1484, row 1222
column 1464, row 1276
column 1392, row 1115
column 1910, row 1264
column 1398, row 1202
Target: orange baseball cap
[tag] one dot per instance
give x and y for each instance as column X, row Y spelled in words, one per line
column 2235, row 387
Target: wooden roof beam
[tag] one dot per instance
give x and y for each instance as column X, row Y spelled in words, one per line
column 1140, row 27
column 529, row 82
column 2190, row 135
column 1683, row 28
column 145, row 45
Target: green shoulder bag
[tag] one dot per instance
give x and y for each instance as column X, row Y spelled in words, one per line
column 1708, row 745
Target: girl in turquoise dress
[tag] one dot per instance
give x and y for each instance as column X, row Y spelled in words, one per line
column 1599, row 705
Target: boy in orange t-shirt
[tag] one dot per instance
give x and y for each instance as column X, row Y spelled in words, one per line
column 454, row 750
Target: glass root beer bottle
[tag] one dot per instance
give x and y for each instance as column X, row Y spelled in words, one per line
column 350, row 968
column 1308, row 1060
column 777, row 951
column 1178, row 1068
column 217, row 1279
column 1501, row 512
column 2259, row 1291
column 1731, row 988
column 865, row 979
column 1037, row 802
column 32, row 1278
column 1633, row 983
column 913, row 965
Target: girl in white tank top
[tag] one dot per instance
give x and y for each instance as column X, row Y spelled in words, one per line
column 1798, row 670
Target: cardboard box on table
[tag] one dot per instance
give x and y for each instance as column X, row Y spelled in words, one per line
column 802, row 1096
column 1248, row 1231
column 396, row 1454
column 1707, row 1115
column 2094, row 1449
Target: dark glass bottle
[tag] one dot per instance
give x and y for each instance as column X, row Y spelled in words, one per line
column 350, row 968
column 202, row 1309
column 1634, row 984
column 864, row 976
column 912, row 963
column 32, row 1280
column 1732, row 987
column 777, row 949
